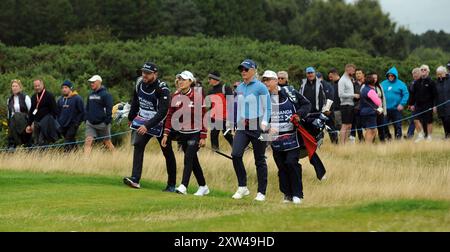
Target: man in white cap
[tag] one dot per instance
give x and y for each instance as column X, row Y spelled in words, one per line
column 98, row 115
column 286, row 142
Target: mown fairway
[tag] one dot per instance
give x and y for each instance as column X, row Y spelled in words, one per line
column 58, row 202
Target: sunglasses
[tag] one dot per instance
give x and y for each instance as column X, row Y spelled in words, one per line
column 243, row 69
column 281, row 78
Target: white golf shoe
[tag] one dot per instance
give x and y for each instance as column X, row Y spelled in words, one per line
column 260, row 197
column 202, row 191
column 241, row 193
column 297, row 200
column 181, row 189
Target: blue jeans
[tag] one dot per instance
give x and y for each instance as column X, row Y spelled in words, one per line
column 394, row 115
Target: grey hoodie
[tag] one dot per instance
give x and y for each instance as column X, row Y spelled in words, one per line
column 346, row 91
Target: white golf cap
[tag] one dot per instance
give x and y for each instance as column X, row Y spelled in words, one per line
column 95, row 78
column 270, row 74
column 186, row 75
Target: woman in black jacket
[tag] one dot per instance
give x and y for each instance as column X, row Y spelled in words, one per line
column 18, row 107
column 443, row 95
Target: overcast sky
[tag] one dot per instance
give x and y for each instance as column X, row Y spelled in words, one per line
column 419, row 15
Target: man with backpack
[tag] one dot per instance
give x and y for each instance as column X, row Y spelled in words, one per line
column 151, row 101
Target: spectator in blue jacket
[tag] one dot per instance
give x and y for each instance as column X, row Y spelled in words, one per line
column 70, row 114
column 397, row 96
column 98, row 115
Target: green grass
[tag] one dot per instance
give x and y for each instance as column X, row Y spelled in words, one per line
column 64, row 202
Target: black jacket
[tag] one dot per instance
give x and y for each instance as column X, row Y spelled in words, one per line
column 317, row 98
column 443, row 95
column 301, row 103
column 336, row 100
column 47, row 106
column 423, row 93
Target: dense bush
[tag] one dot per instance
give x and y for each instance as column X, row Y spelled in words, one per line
column 118, row 62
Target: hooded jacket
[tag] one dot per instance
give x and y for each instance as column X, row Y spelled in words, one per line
column 99, row 107
column 396, row 92
column 70, row 110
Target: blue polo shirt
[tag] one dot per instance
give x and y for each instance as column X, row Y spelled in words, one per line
column 253, row 101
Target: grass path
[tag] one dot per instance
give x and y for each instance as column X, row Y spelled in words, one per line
column 65, row 202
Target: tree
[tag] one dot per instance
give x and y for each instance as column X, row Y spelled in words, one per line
column 179, row 18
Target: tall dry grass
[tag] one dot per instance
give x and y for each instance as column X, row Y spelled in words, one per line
column 356, row 172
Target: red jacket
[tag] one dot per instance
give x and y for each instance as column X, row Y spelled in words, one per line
column 217, row 97
column 192, row 105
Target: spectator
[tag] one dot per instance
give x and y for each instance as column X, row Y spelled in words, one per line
column 318, row 92
column 443, row 95
column 98, row 115
column 347, row 95
column 381, row 116
column 416, row 73
column 253, row 114
column 70, row 114
column 218, row 98
column 397, row 96
column 190, row 131
column 333, row 77
column 42, row 115
column 314, row 90
column 283, row 78
column 356, row 125
column 370, row 106
column 19, row 105
column 423, row 96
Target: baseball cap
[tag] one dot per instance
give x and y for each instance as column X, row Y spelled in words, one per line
column 95, row 78
column 149, row 67
column 310, row 70
column 186, row 75
column 248, row 63
column 270, row 74
column 214, row 75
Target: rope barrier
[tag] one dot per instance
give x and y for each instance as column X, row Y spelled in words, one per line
column 398, row 121
column 50, row 146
